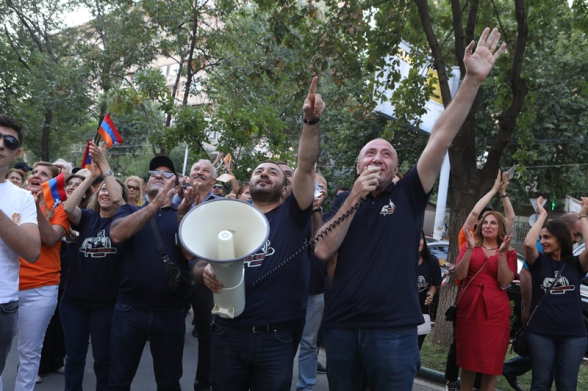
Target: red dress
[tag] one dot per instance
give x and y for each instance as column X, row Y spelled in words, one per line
column 482, row 327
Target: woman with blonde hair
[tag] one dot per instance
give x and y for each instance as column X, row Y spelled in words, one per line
column 486, row 266
column 135, row 186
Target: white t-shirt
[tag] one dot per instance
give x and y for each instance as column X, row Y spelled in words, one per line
column 18, row 204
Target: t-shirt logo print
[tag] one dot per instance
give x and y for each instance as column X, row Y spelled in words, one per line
column 16, row 218
column 98, row 246
column 388, row 209
column 561, row 286
column 257, row 259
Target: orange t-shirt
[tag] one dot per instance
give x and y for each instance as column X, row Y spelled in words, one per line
column 46, row 271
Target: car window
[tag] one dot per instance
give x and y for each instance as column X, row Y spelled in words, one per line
column 440, row 251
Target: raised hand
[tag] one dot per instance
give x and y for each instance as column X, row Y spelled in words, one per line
column 504, row 183
column 366, row 182
column 505, row 243
column 497, row 182
column 479, row 63
column 166, row 192
column 471, row 242
column 313, row 104
column 584, row 209
column 540, row 209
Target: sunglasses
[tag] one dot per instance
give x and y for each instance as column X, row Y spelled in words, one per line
column 10, row 142
column 136, row 188
column 217, row 187
column 166, row 174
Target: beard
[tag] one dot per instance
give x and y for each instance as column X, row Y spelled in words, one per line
column 266, row 194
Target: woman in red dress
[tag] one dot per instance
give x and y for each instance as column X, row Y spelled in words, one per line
column 486, row 267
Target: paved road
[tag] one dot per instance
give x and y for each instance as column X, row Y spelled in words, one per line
column 144, row 380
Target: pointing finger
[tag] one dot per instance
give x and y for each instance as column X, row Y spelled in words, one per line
column 312, row 89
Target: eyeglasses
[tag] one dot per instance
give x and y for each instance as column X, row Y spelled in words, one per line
column 136, row 188
column 166, row 174
column 10, row 142
column 217, row 187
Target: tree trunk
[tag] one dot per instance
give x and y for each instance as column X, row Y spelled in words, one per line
column 45, row 138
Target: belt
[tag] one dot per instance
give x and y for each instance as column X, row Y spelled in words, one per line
column 267, row 328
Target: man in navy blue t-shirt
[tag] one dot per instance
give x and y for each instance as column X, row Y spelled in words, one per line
column 370, row 323
column 255, row 351
column 146, row 310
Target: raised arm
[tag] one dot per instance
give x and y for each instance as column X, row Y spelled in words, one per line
column 114, row 190
column 478, row 65
column 124, row 228
column 70, row 206
column 50, row 234
column 530, row 243
column 509, row 214
column 584, row 220
column 308, row 148
column 477, row 210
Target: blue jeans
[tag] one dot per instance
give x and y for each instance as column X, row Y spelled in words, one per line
column 308, row 353
column 79, row 325
column 8, row 319
column 131, row 328
column 558, row 357
column 517, row 366
column 243, row 360
column 389, row 358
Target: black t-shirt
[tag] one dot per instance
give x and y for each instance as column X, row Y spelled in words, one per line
column 429, row 274
column 282, row 297
column 94, row 273
column 375, row 281
column 144, row 276
column 560, row 313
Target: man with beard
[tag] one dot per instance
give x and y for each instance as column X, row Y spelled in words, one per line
column 256, row 350
column 367, row 328
column 146, row 310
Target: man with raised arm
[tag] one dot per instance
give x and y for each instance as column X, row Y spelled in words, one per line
column 19, row 233
column 372, row 316
column 256, row 349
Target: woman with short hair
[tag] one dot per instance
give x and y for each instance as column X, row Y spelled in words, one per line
column 16, row 177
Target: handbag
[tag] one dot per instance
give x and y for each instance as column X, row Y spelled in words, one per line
column 179, row 281
column 451, row 313
column 519, row 343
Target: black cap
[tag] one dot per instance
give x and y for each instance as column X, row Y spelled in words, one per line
column 23, row 166
column 161, row 161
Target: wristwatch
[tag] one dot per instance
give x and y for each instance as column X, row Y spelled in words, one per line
column 108, row 173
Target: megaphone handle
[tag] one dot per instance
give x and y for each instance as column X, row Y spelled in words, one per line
column 315, row 239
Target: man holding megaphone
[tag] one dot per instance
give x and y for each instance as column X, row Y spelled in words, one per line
column 256, row 349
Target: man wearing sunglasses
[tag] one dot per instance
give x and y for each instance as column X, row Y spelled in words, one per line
column 146, row 310
column 19, row 233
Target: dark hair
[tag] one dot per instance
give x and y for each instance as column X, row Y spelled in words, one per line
column 285, row 181
column 343, row 188
column 562, row 233
column 10, row 123
column 93, row 202
column 425, row 252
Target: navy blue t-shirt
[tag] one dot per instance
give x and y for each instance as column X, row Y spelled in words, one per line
column 318, row 269
column 429, row 274
column 375, row 281
column 94, row 273
column 560, row 313
column 282, row 297
column 143, row 281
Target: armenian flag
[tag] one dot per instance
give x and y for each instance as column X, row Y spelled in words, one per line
column 54, row 191
column 109, row 133
column 87, row 160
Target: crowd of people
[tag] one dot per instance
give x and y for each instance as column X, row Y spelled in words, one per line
column 96, row 268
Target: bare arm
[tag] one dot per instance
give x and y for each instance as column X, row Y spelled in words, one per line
column 123, row 229
column 477, row 210
column 50, row 234
column 478, row 65
column 505, row 275
column 526, row 293
column 114, row 189
column 70, row 206
column 23, row 240
column 584, row 220
column 509, row 214
column 308, row 149
column 530, row 243
column 463, row 266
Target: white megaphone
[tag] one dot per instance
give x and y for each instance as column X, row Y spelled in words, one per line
column 225, row 232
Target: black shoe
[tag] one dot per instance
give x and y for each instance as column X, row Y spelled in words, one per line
column 512, row 381
column 320, row 368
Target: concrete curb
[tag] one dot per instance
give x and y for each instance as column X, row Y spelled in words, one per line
column 435, row 376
